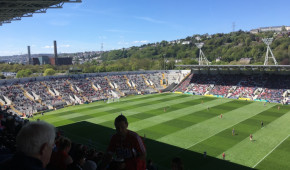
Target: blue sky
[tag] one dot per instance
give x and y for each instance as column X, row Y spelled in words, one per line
column 125, row 23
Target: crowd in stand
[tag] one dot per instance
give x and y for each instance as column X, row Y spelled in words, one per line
column 138, row 82
column 37, row 96
column 39, row 93
column 184, row 86
column 62, row 87
column 58, row 92
column 154, row 78
column 17, row 97
column 266, row 87
column 120, row 82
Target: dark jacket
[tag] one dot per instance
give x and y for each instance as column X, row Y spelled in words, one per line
column 21, row 161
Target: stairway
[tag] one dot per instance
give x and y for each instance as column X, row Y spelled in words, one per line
column 127, row 81
column 146, row 82
column 17, row 111
column 117, row 89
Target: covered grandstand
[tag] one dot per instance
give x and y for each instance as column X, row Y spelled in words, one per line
column 248, row 82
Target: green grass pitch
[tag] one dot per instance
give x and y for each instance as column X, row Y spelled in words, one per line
column 187, row 127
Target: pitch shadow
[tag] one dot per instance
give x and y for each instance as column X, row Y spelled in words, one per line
column 161, row 153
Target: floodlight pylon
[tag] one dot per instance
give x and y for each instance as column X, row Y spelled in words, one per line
column 202, row 60
column 268, row 42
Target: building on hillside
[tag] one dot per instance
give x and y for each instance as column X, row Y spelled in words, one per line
column 9, row 74
column 254, row 31
column 218, row 59
column 64, row 61
column 275, row 29
column 245, row 60
column 178, row 61
column 185, row 42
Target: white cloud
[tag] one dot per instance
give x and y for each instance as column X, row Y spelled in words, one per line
column 132, row 42
column 8, row 53
column 142, row 41
column 150, row 20
column 48, row 46
column 65, row 46
column 60, row 46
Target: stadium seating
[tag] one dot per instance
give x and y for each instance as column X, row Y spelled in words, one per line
column 28, row 97
column 271, row 88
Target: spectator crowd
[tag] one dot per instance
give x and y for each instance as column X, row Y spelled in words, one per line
column 271, row 88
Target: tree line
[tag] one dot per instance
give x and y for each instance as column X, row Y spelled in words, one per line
column 230, row 48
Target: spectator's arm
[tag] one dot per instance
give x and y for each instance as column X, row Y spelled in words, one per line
column 140, row 148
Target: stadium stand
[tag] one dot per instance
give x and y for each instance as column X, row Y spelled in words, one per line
column 263, row 87
column 31, row 95
column 28, row 96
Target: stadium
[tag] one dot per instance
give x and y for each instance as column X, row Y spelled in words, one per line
column 209, row 116
column 183, row 121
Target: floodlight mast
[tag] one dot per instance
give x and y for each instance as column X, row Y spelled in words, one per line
column 268, row 42
column 202, row 60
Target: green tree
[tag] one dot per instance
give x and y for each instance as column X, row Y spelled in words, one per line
column 23, row 73
column 2, row 76
column 49, row 72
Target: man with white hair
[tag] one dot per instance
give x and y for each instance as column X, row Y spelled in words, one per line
column 35, row 142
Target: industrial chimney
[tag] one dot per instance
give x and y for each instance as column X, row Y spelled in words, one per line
column 28, row 56
column 55, row 52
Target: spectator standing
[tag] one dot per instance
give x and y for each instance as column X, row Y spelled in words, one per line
column 126, row 145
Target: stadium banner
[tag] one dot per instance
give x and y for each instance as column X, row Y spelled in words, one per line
column 188, row 93
column 209, row 95
column 220, row 96
column 261, row 100
column 178, row 92
column 244, row 98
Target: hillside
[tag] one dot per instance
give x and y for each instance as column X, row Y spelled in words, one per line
column 229, row 47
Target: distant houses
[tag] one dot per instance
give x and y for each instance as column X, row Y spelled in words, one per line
column 274, row 28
